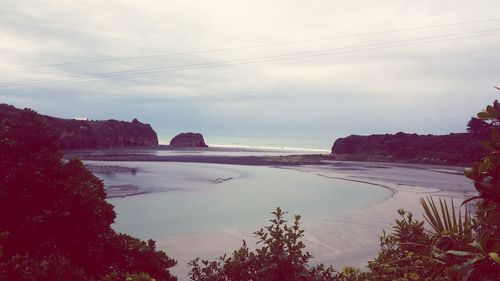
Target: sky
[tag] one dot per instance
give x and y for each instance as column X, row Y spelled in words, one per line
column 291, row 70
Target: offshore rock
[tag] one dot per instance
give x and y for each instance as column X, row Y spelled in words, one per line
column 188, row 140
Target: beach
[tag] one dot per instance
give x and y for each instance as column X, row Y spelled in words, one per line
column 341, row 238
column 345, row 238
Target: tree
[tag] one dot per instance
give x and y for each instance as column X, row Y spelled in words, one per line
column 54, row 220
column 478, row 126
column 483, row 259
column 406, row 254
column 453, row 249
column 281, row 257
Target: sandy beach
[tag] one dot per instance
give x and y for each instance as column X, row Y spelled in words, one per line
column 344, row 238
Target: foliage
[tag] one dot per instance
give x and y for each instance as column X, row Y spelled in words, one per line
column 281, row 257
column 486, row 172
column 454, row 249
column 142, row 276
column 54, row 219
column 483, row 258
column 405, row 253
column 452, row 149
column 478, row 126
column 55, row 223
column 33, row 267
column 446, row 223
column 92, row 133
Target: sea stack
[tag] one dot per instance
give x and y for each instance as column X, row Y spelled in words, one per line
column 188, row 140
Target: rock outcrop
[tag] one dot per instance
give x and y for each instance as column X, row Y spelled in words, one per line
column 451, row 149
column 94, row 133
column 188, row 140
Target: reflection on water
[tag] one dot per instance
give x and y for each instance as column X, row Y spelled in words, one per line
column 191, row 198
column 212, row 151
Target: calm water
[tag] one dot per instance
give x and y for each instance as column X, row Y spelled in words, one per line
column 310, row 141
column 193, row 198
column 213, row 151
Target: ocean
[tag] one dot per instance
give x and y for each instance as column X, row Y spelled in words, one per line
column 319, row 143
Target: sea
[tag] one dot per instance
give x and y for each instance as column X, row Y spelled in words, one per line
column 314, row 143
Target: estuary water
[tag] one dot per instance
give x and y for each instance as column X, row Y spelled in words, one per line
column 184, row 198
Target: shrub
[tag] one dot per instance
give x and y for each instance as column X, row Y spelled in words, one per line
column 281, row 257
column 54, row 221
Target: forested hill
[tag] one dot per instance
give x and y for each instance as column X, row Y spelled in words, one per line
column 452, row 149
column 73, row 133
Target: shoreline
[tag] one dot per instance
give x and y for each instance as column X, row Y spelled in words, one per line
column 349, row 237
column 212, row 148
column 284, row 160
column 120, row 191
column 392, row 190
column 235, row 155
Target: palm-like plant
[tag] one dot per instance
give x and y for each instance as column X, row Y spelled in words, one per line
column 447, row 222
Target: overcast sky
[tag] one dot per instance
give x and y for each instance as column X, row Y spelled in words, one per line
column 277, row 69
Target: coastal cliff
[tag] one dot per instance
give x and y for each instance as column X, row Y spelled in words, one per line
column 73, row 133
column 451, row 149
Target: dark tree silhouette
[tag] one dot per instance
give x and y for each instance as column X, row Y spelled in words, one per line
column 54, row 220
column 478, row 127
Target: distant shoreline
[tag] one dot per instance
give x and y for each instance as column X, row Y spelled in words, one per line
column 212, row 147
column 199, row 155
column 277, row 157
column 230, row 160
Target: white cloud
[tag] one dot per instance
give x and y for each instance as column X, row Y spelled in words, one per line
column 40, row 40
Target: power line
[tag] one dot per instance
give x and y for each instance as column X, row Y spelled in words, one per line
column 270, row 58
column 283, row 57
column 292, row 54
column 266, row 45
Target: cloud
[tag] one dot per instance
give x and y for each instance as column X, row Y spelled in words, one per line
column 300, row 66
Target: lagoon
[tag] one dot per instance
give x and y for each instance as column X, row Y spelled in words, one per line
column 183, row 198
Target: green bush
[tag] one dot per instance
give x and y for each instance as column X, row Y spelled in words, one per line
column 281, row 257
column 54, row 221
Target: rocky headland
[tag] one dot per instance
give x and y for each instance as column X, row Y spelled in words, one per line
column 73, row 134
column 452, row 149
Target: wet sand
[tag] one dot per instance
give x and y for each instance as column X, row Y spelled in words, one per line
column 346, row 238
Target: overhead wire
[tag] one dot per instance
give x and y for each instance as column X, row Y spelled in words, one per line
column 268, row 44
column 261, row 59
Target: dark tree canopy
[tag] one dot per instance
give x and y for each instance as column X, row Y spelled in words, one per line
column 54, row 220
column 478, row 126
